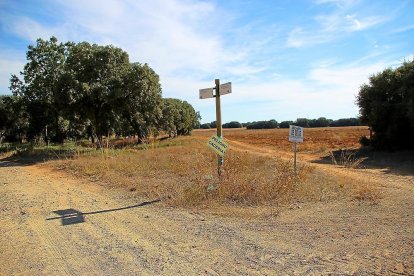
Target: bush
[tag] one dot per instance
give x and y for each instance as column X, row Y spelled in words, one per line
column 285, row 124
column 346, row 122
column 205, row 126
column 263, row 125
column 387, row 105
column 364, row 141
column 232, row 124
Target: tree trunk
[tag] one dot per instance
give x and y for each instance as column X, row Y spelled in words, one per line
column 99, row 140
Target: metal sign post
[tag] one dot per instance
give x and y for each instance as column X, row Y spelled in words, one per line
column 294, row 159
column 295, row 136
column 208, row 93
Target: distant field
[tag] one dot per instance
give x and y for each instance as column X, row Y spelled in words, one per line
column 316, row 140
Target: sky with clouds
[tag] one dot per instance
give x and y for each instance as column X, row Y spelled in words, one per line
column 286, row 59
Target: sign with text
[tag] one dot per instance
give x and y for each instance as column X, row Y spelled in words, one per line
column 206, row 93
column 295, row 134
column 218, row 145
column 225, row 88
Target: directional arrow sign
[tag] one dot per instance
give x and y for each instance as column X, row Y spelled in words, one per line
column 218, row 145
column 206, row 93
column 225, row 88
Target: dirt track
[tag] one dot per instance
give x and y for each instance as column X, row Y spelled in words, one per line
column 52, row 224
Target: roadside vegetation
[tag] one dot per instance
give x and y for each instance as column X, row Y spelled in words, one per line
column 183, row 171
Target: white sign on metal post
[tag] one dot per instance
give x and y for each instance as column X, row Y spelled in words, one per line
column 206, row 93
column 225, row 88
column 295, row 134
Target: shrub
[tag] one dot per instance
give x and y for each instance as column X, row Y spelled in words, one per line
column 386, row 104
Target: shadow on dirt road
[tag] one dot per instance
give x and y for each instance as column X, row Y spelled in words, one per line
column 72, row 216
column 396, row 163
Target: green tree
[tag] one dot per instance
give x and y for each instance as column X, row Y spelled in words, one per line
column 4, row 118
column 232, row 124
column 205, row 126
column 139, row 99
column 345, row 122
column 320, row 122
column 302, row 122
column 170, row 116
column 179, row 117
column 262, row 124
column 42, row 84
column 95, row 76
column 386, row 104
column 13, row 119
column 285, row 124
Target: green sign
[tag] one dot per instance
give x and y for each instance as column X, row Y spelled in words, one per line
column 218, row 145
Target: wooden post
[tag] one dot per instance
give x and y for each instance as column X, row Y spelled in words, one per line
column 218, row 122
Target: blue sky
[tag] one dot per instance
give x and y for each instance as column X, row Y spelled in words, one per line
column 285, row 59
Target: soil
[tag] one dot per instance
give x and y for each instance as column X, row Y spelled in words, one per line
column 54, row 224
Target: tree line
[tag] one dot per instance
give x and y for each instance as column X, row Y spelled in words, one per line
column 82, row 90
column 303, row 122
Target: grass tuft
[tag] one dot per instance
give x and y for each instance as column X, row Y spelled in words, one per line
column 347, row 159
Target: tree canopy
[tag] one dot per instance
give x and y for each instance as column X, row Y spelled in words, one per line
column 71, row 90
column 386, row 104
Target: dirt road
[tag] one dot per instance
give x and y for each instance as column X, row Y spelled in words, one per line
column 52, row 224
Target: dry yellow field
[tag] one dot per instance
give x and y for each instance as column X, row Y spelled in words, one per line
column 315, row 139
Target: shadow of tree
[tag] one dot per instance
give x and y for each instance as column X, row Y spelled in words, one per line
column 398, row 163
column 34, row 156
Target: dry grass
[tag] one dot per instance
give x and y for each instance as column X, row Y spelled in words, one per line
column 185, row 174
column 368, row 193
column 346, row 158
column 183, row 171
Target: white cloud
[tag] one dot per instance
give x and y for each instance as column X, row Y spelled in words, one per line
column 169, row 35
column 26, row 28
column 328, row 90
column 404, row 29
column 298, row 38
column 328, row 27
column 345, row 77
column 355, row 24
column 286, row 100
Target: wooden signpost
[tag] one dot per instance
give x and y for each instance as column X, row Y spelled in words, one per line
column 295, row 136
column 217, row 143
